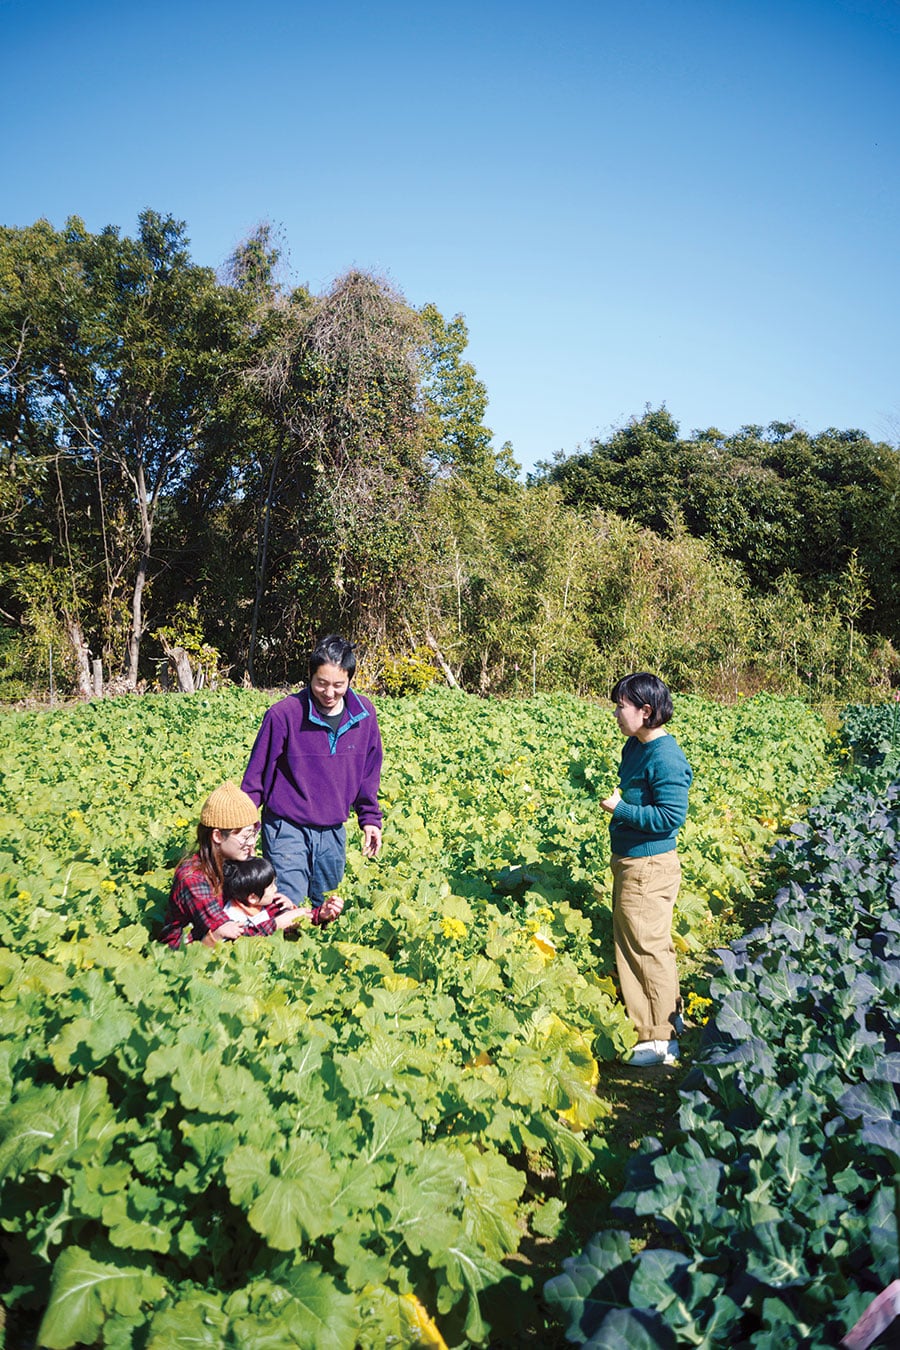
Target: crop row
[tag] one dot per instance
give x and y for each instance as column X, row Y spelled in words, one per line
column 778, row 1185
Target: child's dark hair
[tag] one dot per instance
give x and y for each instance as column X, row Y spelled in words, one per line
column 333, row 651
column 244, row 877
column 645, row 688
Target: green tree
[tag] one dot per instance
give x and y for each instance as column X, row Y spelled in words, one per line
column 774, row 499
column 115, row 351
column 338, row 375
column 456, row 439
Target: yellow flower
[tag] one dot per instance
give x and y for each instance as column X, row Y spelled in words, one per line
column 107, row 885
column 697, row 1006
column 544, row 944
column 23, row 896
column 181, row 823
column 453, row 928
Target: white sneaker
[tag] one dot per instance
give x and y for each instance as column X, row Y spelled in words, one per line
column 647, row 1054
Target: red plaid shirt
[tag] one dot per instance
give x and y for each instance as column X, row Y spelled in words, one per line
column 195, row 908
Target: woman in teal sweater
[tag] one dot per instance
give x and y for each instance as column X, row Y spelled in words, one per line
column 647, row 810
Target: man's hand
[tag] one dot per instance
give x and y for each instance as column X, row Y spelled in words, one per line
column 610, row 803
column 371, row 841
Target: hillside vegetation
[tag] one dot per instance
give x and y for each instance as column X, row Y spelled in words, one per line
column 200, row 473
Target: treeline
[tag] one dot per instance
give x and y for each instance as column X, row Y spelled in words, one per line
column 200, row 472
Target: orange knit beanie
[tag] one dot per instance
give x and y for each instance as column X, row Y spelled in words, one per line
column 228, row 808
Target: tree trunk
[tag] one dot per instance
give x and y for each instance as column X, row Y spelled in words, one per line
column 82, row 659
column 146, row 508
column 438, row 654
column 137, row 624
column 262, row 558
column 439, row 657
column 183, row 673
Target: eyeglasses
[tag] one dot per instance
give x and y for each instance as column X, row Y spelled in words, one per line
column 247, row 834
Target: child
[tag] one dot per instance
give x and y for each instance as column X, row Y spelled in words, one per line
column 251, row 896
column 647, row 810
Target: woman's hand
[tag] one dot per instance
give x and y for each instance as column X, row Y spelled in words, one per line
column 612, row 801
column 226, row 932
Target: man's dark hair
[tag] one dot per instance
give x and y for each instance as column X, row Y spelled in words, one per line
column 243, row 877
column 333, row 651
column 643, row 688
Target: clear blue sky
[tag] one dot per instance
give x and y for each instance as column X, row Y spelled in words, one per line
column 632, row 202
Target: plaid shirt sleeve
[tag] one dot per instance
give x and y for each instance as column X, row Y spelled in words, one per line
column 264, row 926
column 195, row 909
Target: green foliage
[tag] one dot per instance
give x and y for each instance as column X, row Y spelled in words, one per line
column 776, row 500
column 872, row 732
column 408, row 673
column 457, row 440
column 113, row 350
column 186, row 631
column 779, row 1179
column 526, row 593
column 280, row 464
column 312, row 1133
column 12, row 666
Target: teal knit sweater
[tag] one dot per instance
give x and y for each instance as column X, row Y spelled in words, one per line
column 654, row 778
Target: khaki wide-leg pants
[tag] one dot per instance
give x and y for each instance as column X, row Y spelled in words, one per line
column 644, row 892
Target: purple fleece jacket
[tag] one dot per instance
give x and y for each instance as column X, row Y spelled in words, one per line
column 302, row 771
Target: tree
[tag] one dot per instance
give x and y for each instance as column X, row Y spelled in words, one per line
column 123, row 346
column 457, row 441
column 339, row 377
column 774, row 499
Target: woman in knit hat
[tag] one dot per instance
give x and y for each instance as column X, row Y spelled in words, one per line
column 229, row 824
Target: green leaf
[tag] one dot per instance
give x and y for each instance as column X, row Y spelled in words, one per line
column 493, row 1190
column 292, row 1206
column 195, row 1321
column 99, row 1036
column 52, row 1127
column 468, row 1273
column 307, row 1311
column 204, row 1083
column 425, row 1201
column 84, row 1293
column 777, row 1254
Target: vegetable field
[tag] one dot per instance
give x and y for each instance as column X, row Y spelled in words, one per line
column 335, row 1138
column 779, row 1187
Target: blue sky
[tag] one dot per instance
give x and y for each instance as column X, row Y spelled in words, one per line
column 632, row 202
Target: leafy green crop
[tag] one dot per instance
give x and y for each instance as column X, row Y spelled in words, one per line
column 311, row 1140
column 779, row 1183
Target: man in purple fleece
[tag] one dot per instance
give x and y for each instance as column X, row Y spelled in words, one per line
column 316, row 758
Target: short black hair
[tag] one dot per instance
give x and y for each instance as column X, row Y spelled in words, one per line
column 644, row 688
column 243, row 877
column 333, row 650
